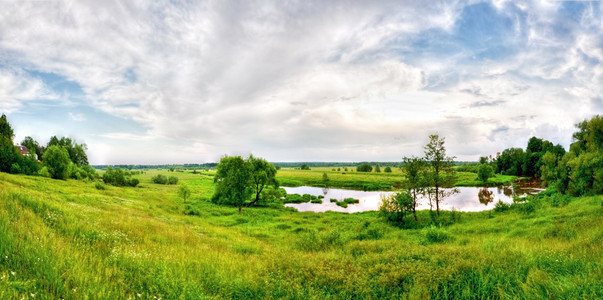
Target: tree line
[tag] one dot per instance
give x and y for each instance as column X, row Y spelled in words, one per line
column 61, row 158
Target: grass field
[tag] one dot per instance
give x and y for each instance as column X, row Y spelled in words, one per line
column 68, row 239
column 371, row 181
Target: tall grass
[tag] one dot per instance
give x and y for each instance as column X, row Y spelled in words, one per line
column 68, row 239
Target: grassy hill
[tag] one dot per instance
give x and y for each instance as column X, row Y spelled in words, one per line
column 68, row 239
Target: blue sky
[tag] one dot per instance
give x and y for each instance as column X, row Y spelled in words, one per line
column 154, row 82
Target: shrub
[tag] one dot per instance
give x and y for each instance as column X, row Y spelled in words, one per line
column 294, row 198
column 159, row 179
column 501, row 206
column 44, row 172
column 351, row 200
column 387, row 170
column 100, row 186
column 433, row 235
column 15, row 169
column 560, row 200
column 172, row 180
column 316, row 200
column 364, row 167
column 342, row 204
column 56, row 159
column 133, row 182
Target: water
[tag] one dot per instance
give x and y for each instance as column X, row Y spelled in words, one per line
column 467, row 199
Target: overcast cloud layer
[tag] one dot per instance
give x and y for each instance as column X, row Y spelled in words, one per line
column 149, row 82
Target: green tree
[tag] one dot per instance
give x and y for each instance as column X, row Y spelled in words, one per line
column 184, row 191
column 548, row 168
column 304, row 167
column 56, row 159
column 77, row 152
column 262, row 174
column 377, row 169
column 484, row 171
column 364, row 167
column 8, row 152
column 394, row 206
column 5, row 129
column 233, row 182
column 387, row 169
column 33, row 146
column 416, row 184
column 440, row 172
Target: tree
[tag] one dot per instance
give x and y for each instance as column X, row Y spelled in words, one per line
column 364, row 167
column 394, row 206
column 484, row 171
column 77, row 152
column 232, row 181
column 5, row 129
column 56, row 159
column 387, row 169
column 304, row 167
column 262, row 174
column 440, row 173
column 377, row 169
column 184, row 191
column 548, row 168
column 32, row 146
column 414, row 170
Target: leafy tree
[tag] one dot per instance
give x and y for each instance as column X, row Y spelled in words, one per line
column 184, row 191
column 394, row 206
column 77, row 152
column 484, row 171
column 364, row 167
column 414, row 170
column 5, row 129
column 32, row 146
column 262, row 174
column 548, row 168
column 232, row 179
column 305, row 167
column 440, row 173
column 56, row 159
column 387, row 169
column 117, row 177
column 377, row 169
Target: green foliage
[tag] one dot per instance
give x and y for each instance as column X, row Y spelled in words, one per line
column 364, row 167
column 233, row 177
column 394, row 206
column 8, row 153
column 484, row 172
column 118, row 177
column 304, row 167
column 33, row 146
column 160, row 179
column 76, row 152
column 56, row 159
column 377, row 169
column 440, row 172
column 99, row 186
column 387, row 169
column 172, row 180
column 435, row 234
column 262, row 175
column 184, row 192
column 501, row 206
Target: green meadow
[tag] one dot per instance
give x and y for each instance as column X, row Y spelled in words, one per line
column 76, row 240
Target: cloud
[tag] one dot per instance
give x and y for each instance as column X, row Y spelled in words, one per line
column 16, row 87
column 312, row 80
column 77, row 117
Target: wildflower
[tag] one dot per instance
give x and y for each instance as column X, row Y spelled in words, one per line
column 32, row 295
column 74, row 290
column 13, row 273
column 139, row 295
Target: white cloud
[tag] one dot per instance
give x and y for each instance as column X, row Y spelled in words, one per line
column 306, row 80
column 77, row 117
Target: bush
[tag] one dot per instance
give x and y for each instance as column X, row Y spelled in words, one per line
column 351, row 200
column 294, row 198
column 15, row 169
column 364, row 167
column 560, row 200
column 159, row 179
column 44, row 172
column 133, row 182
column 172, row 180
column 501, row 206
column 433, row 235
column 387, row 170
column 100, row 186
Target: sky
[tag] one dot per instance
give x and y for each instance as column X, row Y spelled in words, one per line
column 158, row 82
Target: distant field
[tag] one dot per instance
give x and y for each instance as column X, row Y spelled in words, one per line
column 370, row 181
column 68, row 239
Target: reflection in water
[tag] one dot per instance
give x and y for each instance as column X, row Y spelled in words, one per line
column 467, row 199
column 485, row 197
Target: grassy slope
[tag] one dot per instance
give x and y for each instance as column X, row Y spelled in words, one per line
column 370, row 181
column 67, row 239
